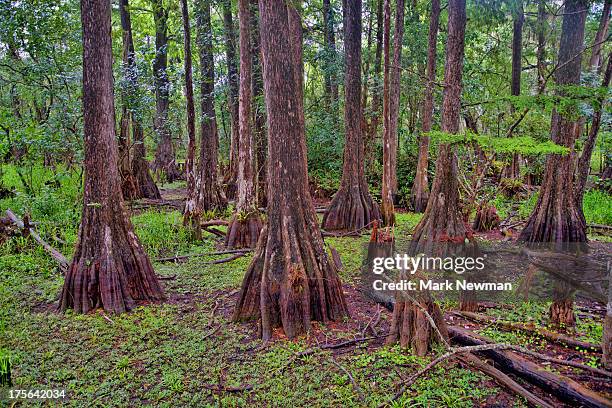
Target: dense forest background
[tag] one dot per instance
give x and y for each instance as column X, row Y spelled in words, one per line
column 220, row 169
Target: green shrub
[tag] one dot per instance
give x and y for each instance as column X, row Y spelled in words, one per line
column 597, row 207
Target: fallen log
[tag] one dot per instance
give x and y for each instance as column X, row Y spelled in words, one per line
column 465, row 352
column 212, row 223
column 600, row 226
column 55, row 254
column 546, row 334
column 177, row 258
column 561, row 386
column 503, row 380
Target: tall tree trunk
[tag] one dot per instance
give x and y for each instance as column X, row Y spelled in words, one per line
column 556, row 218
column 207, row 195
column 541, row 48
column 329, row 40
column 259, row 115
column 352, row 207
column 602, row 32
column 512, row 170
column 391, row 110
column 110, row 268
column 243, row 230
column 232, row 78
column 420, row 189
column 291, row 280
column 394, row 94
column 387, row 210
column 584, row 162
column 165, row 159
column 375, row 112
column 191, row 147
column 144, row 186
column 128, row 181
column 442, row 220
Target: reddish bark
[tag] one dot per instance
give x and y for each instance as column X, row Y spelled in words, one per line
column 291, row 280
column 138, row 183
column 584, row 162
column 165, row 160
column 420, row 190
column 243, row 230
column 209, row 196
column 387, row 210
column 391, row 99
column 191, row 147
column 259, row 116
column 442, row 221
column 352, row 206
column 375, row 111
column 110, row 268
column 329, row 39
column 512, row 170
column 232, row 100
column 556, row 217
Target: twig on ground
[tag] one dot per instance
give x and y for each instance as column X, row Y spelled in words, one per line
column 356, row 387
column 187, row 256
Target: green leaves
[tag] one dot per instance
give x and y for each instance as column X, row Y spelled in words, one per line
column 524, row 145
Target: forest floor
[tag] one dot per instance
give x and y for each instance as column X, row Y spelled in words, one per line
column 187, row 352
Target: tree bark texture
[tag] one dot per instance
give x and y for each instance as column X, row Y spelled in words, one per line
column 595, row 62
column 291, row 280
column 165, row 159
column 232, row 77
column 191, row 147
column 243, row 230
column 329, row 39
column 110, row 268
column 512, row 170
column 442, row 219
column 207, row 195
column 375, row 111
column 556, row 217
column 584, row 162
column 352, row 206
column 420, row 189
column 259, row 114
column 140, row 175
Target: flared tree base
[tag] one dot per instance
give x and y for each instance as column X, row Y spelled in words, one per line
column 562, row 314
column 350, row 210
column 243, row 232
column 110, row 269
column 412, row 327
column 486, row 218
column 146, row 187
column 290, row 283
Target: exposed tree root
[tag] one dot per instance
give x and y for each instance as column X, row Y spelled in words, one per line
column 412, row 324
column 351, row 209
column 289, row 283
column 486, row 218
column 110, row 268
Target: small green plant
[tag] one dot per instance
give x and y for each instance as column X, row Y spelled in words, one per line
column 5, row 369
